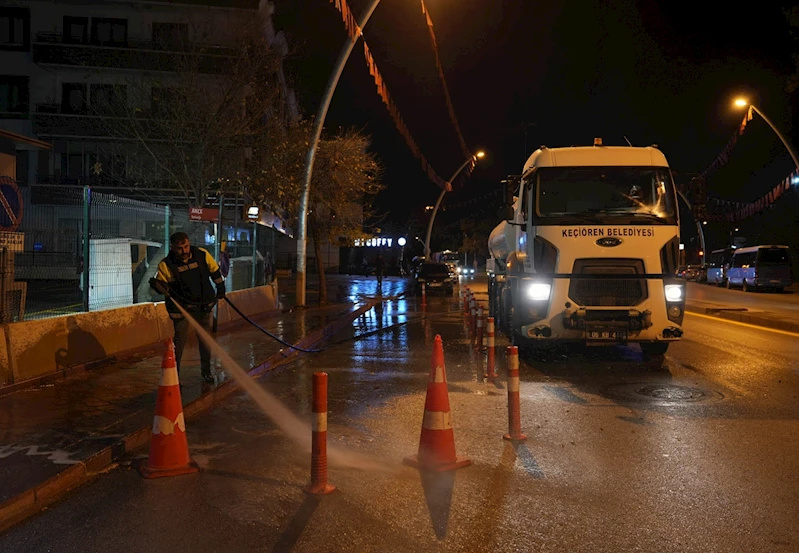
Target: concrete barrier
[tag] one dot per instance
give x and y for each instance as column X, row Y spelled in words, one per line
column 112, row 332
column 33, row 349
column 38, row 347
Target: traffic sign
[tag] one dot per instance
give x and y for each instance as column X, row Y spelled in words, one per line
column 11, row 206
column 203, row 214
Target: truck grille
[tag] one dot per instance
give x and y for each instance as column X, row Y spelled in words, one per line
column 593, row 283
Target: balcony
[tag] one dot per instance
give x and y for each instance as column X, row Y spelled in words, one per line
column 49, row 122
column 51, row 49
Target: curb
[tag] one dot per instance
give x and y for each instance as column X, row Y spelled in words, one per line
column 32, row 501
column 742, row 315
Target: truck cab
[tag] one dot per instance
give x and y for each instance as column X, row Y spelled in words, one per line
column 589, row 249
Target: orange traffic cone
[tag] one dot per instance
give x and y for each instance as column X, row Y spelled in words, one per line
column 169, row 449
column 437, row 442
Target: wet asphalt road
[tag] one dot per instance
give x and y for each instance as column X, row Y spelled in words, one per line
column 696, row 452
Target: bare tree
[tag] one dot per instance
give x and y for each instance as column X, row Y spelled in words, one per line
column 346, row 180
column 199, row 119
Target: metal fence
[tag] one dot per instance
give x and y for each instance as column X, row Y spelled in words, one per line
column 73, row 235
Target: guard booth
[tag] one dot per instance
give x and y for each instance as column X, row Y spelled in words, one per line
column 12, row 293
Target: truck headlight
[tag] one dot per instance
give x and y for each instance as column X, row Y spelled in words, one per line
column 675, row 292
column 539, row 291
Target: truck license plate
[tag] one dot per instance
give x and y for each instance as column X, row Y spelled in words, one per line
column 607, row 335
column 435, row 284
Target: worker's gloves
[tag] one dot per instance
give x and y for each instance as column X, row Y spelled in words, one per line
column 160, row 286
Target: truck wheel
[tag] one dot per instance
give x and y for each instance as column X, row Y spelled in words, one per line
column 654, row 349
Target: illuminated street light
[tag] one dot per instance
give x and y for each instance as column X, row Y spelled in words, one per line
column 473, row 158
column 742, row 102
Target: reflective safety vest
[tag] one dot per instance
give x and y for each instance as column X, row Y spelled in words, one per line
column 190, row 282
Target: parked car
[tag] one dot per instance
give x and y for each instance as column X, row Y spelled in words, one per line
column 436, row 277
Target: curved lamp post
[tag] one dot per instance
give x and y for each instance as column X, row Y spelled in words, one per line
column 741, row 102
column 319, row 122
column 441, row 197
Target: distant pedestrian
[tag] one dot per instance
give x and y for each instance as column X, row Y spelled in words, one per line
column 380, row 267
column 185, row 276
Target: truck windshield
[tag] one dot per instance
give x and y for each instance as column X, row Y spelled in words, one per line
column 610, row 195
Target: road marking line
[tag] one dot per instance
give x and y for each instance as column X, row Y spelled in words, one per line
column 776, row 330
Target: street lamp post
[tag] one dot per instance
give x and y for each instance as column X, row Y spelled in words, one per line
column 319, row 122
column 441, row 197
column 732, row 237
column 740, row 102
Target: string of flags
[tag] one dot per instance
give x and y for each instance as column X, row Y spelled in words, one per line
column 450, row 107
column 354, row 31
column 722, row 159
column 737, row 211
column 382, row 90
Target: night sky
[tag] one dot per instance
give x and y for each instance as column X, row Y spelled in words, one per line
column 523, row 73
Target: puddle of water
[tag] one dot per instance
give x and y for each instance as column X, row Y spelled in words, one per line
column 292, row 427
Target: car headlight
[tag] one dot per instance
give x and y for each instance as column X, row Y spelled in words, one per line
column 674, row 292
column 471, row 271
column 539, row 291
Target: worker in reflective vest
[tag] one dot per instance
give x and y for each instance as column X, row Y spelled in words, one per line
column 185, row 275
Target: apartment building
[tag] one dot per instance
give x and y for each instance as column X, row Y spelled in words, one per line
column 60, row 62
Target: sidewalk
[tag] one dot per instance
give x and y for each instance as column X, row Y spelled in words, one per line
column 765, row 319
column 47, row 429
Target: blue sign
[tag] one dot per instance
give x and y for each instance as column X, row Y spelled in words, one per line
column 10, row 204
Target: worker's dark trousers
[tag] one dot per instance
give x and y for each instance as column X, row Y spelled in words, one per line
column 182, row 335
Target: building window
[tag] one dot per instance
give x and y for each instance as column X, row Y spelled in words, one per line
column 73, row 98
column 108, row 31
column 72, row 166
column 109, row 98
column 76, row 30
column 15, row 29
column 170, row 36
column 14, row 96
column 166, row 102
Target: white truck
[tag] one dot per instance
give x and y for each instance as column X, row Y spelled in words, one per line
column 588, row 250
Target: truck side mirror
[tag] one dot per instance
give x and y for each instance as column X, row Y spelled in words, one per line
column 509, row 187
